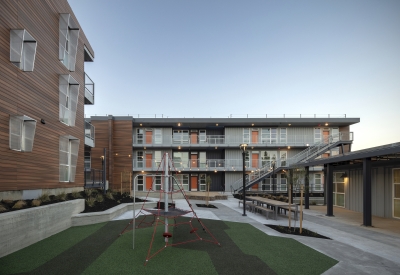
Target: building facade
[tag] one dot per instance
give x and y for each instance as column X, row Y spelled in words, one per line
column 202, row 147
column 43, row 91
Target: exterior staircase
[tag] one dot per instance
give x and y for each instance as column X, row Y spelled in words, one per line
column 312, row 152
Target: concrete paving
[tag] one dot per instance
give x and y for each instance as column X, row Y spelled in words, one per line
column 359, row 249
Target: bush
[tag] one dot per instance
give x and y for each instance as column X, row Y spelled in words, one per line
column 44, row 197
column 35, row 203
column 62, row 196
column 88, row 192
column 2, row 208
column 109, row 195
column 90, row 201
column 19, row 205
column 313, row 203
column 76, row 194
column 99, row 198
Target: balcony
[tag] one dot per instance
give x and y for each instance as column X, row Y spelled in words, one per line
column 89, row 134
column 187, row 141
column 203, row 165
column 89, row 90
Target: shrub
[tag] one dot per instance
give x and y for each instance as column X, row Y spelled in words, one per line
column 76, row 194
column 88, row 192
column 313, row 203
column 44, row 197
column 99, row 198
column 90, row 201
column 2, row 208
column 126, row 194
column 35, row 203
column 62, row 196
column 109, row 195
column 19, row 205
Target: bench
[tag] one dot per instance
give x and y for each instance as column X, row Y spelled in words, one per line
column 293, row 209
column 264, row 209
column 249, row 204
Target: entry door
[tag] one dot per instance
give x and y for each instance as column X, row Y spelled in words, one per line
column 254, row 137
column 254, row 164
column 149, row 183
column 193, row 161
column 149, row 137
column 325, row 134
column 193, row 183
column 148, row 160
column 396, row 193
column 193, row 138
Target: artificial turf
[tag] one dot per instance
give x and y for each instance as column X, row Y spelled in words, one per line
column 97, row 249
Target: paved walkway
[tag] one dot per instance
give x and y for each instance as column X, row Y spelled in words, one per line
column 359, row 249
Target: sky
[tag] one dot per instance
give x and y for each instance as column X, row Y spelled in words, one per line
column 217, row 58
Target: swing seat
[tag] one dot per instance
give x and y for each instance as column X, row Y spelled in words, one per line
column 167, row 235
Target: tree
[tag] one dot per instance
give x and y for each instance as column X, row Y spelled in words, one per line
column 208, row 183
column 296, row 178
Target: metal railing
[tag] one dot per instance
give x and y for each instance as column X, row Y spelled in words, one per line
column 89, row 130
column 94, row 178
column 311, row 152
column 222, row 140
column 89, row 89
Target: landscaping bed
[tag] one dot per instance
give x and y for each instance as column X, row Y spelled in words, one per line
column 95, row 200
column 296, row 231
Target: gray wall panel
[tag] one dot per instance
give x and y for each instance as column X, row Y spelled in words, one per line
column 230, row 178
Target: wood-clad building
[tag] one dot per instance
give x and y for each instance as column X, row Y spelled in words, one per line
column 42, row 95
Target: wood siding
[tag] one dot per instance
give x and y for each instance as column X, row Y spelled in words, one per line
column 36, row 94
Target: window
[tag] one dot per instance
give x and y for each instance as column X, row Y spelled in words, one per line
column 69, row 92
column 22, row 50
column 139, row 136
column 269, row 135
column 68, row 43
column 182, row 180
column 338, row 189
column 22, row 133
column 158, row 136
column 283, row 183
column 317, row 182
column 202, row 136
column 69, row 148
column 140, row 183
column 87, row 160
column 181, row 159
column 246, row 135
column 335, row 134
column 139, row 159
column 283, row 158
column 283, row 135
column 317, row 135
column 202, row 182
column 157, row 158
column 396, row 193
column 180, row 136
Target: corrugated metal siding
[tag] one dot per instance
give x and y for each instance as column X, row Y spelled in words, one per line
column 217, row 181
column 230, row 178
column 354, row 191
column 307, row 133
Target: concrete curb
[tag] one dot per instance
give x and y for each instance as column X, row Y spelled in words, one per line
column 108, row 215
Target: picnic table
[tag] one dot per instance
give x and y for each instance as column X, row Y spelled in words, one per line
column 275, row 204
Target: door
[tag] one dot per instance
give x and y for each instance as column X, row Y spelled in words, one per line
column 396, row 193
column 325, row 134
column 148, row 160
column 254, row 164
column 193, row 183
column 193, row 138
column 193, row 161
column 254, row 137
column 149, row 183
column 149, row 137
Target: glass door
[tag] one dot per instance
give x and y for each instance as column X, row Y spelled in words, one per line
column 338, row 189
column 202, row 182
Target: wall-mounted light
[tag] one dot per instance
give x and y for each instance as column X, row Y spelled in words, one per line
column 141, row 124
column 216, row 124
column 42, row 121
column 289, row 124
column 344, row 176
column 179, row 124
column 326, row 124
column 288, row 147
column 252, row 124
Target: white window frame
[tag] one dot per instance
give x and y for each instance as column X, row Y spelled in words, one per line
column 68, row 157
column 22, row 50
column 317, row 186
column 335, row 192
column 246, row 135
column 158, row 139
column 395, row 183
column 68, row 99
column 139, row 159
column 317, row 135
column 68, row 41
column 22, row 133
column 202, row 182
column 182, row 180
column 283, row 135
column 140, row 183
column 282, row 158
column 202, row 136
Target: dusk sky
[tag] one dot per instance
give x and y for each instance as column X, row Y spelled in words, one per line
column 216, row 58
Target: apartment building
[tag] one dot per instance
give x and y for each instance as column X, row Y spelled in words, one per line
column 201, row 147
column 44, row 88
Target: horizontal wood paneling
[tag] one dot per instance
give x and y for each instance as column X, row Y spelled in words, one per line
column 36, row 95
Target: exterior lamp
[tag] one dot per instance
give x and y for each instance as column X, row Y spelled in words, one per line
column 243, row 149
column 344, row 175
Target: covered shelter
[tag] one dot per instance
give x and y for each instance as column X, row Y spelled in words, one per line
column 366, row 181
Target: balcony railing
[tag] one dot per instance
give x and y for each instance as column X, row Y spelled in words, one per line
column 89, row 134
column 89, row 90
column 204, row 165
column 221, row 140
column 94, row 178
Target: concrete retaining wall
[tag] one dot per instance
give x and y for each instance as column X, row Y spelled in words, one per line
column 108, row 215
column 22, row 228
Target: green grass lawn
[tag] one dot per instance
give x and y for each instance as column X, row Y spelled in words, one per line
column 97, row 249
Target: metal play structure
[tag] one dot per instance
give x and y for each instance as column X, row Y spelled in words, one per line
column 166, row 212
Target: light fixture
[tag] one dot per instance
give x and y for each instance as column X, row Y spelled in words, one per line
column 252, row 124
column 144, row 148
column 326, row 124
column 344, row 175
column 216, row 147
column 288, row 147
column 141, row 124
column 179, row 124
column 216, row 124
column 290, row 124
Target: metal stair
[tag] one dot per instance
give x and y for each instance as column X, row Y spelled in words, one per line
column 312, row 152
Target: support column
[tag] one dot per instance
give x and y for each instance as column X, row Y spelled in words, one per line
column 367, row 197
column 307, row 187
column 290, row 191
column 329, row 190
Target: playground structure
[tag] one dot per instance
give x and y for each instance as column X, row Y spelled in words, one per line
column 166, row 211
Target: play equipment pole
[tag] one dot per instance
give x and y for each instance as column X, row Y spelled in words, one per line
column 166, row 194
